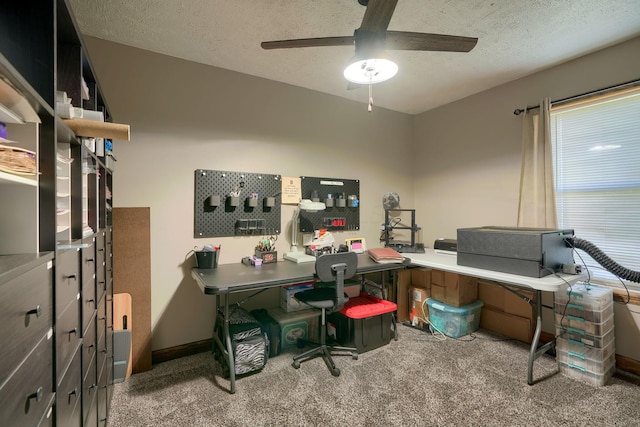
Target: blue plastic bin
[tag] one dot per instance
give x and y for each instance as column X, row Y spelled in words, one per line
column 453, row 321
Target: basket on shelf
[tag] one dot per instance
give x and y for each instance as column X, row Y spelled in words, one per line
column 17, row 160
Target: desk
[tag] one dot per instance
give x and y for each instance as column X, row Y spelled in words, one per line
column 234, row 278
column 550, row 283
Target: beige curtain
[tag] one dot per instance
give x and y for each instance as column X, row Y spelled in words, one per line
column 537, row 205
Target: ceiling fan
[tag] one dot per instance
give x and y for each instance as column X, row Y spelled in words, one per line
column 372, row 39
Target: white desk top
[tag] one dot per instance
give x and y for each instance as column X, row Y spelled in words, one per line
column 449, row 262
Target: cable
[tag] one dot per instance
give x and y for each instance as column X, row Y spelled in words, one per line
column 604, row 260
column 624, row 285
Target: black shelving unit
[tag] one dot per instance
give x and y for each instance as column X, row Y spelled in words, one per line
column 51, row 264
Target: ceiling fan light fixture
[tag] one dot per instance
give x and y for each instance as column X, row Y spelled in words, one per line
column 370, row 70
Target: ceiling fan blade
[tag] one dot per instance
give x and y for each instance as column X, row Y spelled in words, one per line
column 314, row 42
column 378, row 15
column 403, row 40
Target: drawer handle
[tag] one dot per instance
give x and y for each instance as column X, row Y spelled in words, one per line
column 100, row 249
column 73, row 331
column 91, row 300
column 37, row 311
column 104, row 350
column 73, row 392
column 89, row 259
column 37, row 395
column 71, row 276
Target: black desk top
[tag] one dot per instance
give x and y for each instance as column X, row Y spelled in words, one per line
column 230, row 278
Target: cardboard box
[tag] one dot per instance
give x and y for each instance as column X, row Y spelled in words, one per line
column 406, row 279
column 504, row 300
column 418, row 296
column 453, row 289
column 507, row 324
column 403, row 283
column 288, row 302
column 421, row 278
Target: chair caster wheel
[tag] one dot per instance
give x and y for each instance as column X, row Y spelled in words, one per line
column 296, row 364
column 354, row 356
column 335, row 372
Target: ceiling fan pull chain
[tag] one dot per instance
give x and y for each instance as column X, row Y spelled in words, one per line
column 370, row 98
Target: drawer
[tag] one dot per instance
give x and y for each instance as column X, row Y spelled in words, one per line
column 67, row 278
column 102, row 405
column 89, row 345
column 26, row 315
column 102, row 318
column 91, row 417
column 101, row 282
column 89, row 387
column 101, row 249
column 26, row 396
column 88, row 298
column 67, row 336
column 102, row 352
column 69, row 395
column 88, row 261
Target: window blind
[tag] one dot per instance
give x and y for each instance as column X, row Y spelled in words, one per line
column 596, row 146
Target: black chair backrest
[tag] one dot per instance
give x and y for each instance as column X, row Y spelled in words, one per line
column 337, row 268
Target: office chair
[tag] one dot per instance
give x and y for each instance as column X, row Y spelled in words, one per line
column 329, row 268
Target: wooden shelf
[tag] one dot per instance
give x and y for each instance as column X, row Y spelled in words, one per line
column 10, row 178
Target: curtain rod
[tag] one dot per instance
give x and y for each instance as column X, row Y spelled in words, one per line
column 519, row 111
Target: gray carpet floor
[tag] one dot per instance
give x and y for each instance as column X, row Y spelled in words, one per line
column 415, row 381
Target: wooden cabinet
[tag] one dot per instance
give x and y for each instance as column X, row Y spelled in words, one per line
column 26, row 334
column 56, row 290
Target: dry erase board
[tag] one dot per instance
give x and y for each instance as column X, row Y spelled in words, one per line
column 236, row 203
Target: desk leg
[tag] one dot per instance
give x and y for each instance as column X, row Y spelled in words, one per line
column 536, row 352
column 227, row 337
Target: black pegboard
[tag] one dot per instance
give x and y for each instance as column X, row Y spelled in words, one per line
column 334, row 217
column 214, row 212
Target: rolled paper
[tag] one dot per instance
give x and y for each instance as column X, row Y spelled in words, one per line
column 91, row 128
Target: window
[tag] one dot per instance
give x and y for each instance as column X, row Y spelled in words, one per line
column 596, row 148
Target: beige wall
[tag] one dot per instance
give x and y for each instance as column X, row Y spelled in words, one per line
column 186, row 116
column 466, row 163
column 458, row 165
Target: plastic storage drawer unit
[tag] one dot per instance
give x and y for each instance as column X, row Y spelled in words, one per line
column 584, row 375
column 452, row 321
column 596, row 360
column 575, row 323
column 590, row 297
column 579, row 310
column 577, row 335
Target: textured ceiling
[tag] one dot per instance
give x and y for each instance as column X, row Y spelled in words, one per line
column 516, row 38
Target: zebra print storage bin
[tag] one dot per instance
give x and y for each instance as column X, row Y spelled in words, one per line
column 250, row 345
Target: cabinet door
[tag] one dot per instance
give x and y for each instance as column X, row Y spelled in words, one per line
column 25, row 317
column 69, row 395
column 67, row 336
column 26, row 396
column 67, row 278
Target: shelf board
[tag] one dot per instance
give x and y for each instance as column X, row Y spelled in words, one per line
column 9, row 178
